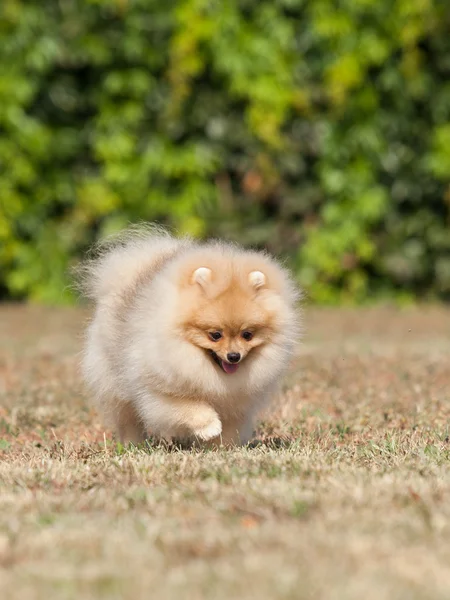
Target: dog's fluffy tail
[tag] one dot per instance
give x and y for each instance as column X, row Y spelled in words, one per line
column 118, row 262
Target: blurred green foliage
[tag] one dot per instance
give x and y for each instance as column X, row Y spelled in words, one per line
column 319, row 129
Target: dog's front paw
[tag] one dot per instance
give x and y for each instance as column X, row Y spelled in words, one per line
column 209, row 430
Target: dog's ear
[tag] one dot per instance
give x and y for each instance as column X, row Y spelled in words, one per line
column 202, row 276
column 257, row 279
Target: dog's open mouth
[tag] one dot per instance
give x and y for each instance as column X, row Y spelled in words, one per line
column 223, row 364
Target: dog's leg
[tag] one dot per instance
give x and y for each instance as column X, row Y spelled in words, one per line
column 129, row 427
column 180, row 417
column 235, row 432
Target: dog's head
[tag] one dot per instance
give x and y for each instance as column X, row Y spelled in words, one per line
column 231, row 310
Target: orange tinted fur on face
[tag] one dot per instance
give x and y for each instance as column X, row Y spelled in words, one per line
column 150, row 356
column 230, row 310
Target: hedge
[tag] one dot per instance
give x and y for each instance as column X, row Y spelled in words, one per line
column 319, row 129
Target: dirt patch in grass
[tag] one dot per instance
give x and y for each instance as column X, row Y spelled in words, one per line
column 343, row 493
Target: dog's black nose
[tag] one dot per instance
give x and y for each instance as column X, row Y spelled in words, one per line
column 233, row 357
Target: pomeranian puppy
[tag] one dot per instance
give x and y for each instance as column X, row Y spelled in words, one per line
column 188, row 340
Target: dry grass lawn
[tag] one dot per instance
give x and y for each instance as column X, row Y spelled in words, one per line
column 344, row 493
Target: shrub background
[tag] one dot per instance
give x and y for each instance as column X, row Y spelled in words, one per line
column 319, row 129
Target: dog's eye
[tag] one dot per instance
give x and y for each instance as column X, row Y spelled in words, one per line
column 247, row 335
column 215, row 335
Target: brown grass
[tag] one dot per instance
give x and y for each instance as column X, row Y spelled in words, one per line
column 344, row 494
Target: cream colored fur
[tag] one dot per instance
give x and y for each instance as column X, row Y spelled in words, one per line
column 147, row 349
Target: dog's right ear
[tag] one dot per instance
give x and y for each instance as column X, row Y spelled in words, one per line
column 202, row 276
column 257, row 279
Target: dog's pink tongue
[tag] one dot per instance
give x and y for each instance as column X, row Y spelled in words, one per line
column 229, row 368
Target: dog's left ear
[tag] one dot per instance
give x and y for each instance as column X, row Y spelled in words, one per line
column 257, row 279
column 202, row 276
